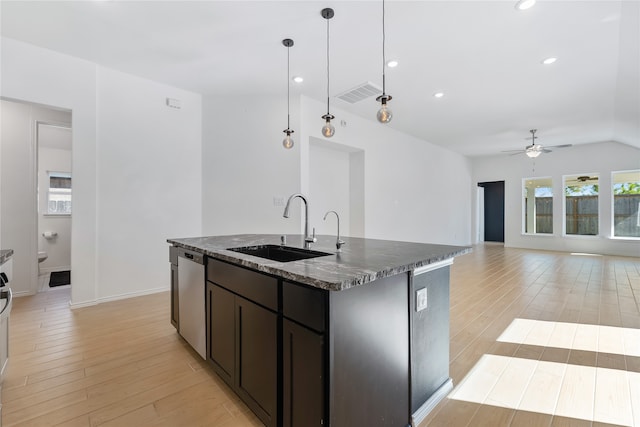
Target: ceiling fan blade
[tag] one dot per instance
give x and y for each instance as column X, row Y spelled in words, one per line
column 512, row 151
column 545, row 150
column 560, row 146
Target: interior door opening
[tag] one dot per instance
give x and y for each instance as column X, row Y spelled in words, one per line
column 35, row 190
column 54, row 201
column 493, row 211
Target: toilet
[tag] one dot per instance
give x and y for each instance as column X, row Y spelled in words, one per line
column 43, row 278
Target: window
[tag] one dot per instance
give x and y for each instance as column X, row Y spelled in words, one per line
column 581, row 204
column 626, row 203
column 538, row 206
column 59, row 193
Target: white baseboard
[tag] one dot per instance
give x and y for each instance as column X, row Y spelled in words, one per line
column 116, row 297
column 431, row 403
column 21, row 293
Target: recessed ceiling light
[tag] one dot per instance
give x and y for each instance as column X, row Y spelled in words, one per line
column 393, row 63
column 438, row 94
column 297, row 79
column 525, row 4
column 549, row 60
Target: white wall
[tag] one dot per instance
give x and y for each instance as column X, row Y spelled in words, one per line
column 149, row 180
column 330, row 174
column 42, row 76
column 19, row 220
column 600, row 158
column 413, row 190
column 137, row 157
column 59, row 248
column 244, row 166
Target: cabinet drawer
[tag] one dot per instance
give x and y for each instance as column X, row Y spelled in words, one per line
column 305, row 305
column 250, row 284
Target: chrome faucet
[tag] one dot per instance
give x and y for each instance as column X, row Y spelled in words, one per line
column 339, row 242
column 308, row 240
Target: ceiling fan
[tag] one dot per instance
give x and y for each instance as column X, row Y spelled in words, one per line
column 534, row 150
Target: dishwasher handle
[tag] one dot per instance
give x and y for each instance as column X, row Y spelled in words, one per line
column 191, row 256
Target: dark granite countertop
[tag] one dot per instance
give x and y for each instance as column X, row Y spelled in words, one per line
column 361, row 260
column 5, row 254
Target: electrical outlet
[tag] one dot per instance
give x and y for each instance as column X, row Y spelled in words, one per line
column 278, row 201
column 421, row 299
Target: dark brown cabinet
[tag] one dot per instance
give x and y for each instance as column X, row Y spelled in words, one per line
column 304, row 381
column 242, row 336
column 221, row 339
column 302, row 355
column 303, row 376
column 256, row 376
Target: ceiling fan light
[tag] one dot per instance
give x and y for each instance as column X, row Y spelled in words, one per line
column 534, row 150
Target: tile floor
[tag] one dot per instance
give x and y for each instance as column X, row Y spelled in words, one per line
column 543, row 339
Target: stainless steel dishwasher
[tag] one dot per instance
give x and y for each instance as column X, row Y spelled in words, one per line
column 191, row 300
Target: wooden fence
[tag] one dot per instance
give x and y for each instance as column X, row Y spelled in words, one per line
column 582, row 215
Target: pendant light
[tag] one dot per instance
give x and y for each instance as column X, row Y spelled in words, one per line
column 287, row 142
column 384, row 113
column 328, row 129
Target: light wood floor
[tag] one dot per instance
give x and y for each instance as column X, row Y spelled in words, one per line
column 122, row 363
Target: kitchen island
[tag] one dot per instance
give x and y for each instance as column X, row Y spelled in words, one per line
column 349, row 338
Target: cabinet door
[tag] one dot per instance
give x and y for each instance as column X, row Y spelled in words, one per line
column 256, row 359
column 175, row 307
column 303, row 376
column 221, row 345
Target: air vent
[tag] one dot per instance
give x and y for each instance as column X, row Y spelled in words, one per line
column 360, row 92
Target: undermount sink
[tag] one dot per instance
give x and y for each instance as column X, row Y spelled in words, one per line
column 279, row 253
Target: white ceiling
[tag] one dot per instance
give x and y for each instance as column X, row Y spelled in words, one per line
column 484, row 55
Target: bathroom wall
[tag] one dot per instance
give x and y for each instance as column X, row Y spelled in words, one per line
column 58, row 248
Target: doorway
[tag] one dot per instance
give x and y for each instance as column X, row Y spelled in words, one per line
column 493, row 211
column 336, row 182
column 24, row 198
column 54, row 200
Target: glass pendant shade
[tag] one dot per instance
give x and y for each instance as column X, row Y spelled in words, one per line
column 384, row 113
column 288, row 142
column 328, row 129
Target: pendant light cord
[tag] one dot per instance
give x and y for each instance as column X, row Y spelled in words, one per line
column 288, row 86
column 383, row 53
column 328, row 113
